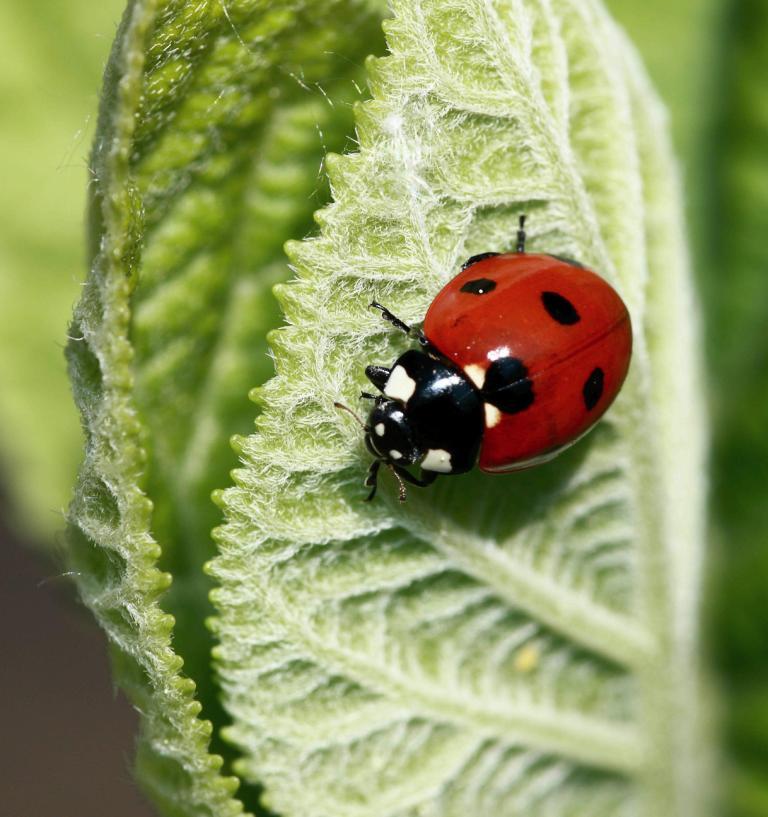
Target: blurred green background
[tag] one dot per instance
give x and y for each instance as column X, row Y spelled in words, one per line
column 51, row 58
column 709, row 59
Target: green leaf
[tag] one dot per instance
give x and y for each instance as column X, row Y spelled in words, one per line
column 518, row 645
column 207, row 157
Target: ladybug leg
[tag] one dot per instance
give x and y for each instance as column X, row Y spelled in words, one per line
column 378, row 375
column 521, row 235
column 414, row 331
column 388, row 316
column 402, row 493
column 417, row 334
column 479, row 257
column 401, row 475
column 422, row 481
column 377, row 398
column 371, row 479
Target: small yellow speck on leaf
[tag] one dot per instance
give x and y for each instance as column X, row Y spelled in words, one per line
column 527, row 658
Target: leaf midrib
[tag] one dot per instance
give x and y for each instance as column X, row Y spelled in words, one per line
column 613, row 636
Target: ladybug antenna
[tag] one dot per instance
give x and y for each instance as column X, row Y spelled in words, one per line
column 354, row 414
column 521, row 235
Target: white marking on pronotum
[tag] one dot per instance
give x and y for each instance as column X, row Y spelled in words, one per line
column 395, row 455
column 437, row 459
column 400, row 386
column 492, row 415
column 476, row 374
column 379, row 429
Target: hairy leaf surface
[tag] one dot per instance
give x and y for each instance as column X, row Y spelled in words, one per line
column 497, row 646
column 516, row 645
column 208, row 153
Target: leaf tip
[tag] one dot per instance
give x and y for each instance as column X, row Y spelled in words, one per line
column 292, row 249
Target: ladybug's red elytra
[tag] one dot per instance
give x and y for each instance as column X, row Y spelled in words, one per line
column 519, row 356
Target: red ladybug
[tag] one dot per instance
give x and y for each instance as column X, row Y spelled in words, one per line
column 520, row 356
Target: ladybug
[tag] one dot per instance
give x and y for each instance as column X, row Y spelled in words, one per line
column 520, row 355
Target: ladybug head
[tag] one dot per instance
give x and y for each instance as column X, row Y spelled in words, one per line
column 389, row 435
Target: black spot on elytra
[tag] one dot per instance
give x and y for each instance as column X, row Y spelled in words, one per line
column 507, row 385
column 593, row 388
column 480, row 286
column 481, row 257
column 560, row 308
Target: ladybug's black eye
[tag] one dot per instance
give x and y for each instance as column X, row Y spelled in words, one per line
column 480, row 286
column 560, row 308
